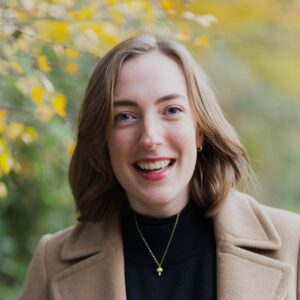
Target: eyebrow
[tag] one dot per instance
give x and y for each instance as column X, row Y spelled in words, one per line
column 126, row 102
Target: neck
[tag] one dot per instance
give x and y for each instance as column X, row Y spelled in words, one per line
column 158, row 211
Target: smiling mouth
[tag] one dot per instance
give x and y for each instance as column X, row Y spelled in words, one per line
column 157, row 166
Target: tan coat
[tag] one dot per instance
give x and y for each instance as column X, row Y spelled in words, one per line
column 257, row 257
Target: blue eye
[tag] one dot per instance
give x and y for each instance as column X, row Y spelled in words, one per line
column 123, row 117
column 173, row 110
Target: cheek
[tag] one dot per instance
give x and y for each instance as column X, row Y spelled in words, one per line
column 184, row 135
column 119, row 145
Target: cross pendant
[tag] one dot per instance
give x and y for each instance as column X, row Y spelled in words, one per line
column 159, row 270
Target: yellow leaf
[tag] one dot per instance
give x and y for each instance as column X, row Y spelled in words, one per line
column 22, row 16
column 136, row 7
column 105, row 31
column 111, row 40
column 70, row 147
column 202, row 41
column 14, row 130
column 56, row 31
column 42, row 61
column 72, row 53
column 83, row 14
column 5, row 162
column 168, row 7
column 149, row 14
column 16, row 67
column 59, row 103
column 37, row 94
column 29, row 135
column 116, row 16
column 3, row 114
column 97, row 28
column 71, row 68
column 184, row 33
column 166, row 4
column 44, row 113
column 3, row 190
column 3, row 146
column 111, row 2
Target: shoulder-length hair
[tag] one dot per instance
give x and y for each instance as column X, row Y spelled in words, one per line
column 220, row 165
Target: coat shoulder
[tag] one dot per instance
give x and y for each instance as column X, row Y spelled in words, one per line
column 47, row 262
column 286, row 223
column 57, row 239
column 280, row 217
column 40, row 268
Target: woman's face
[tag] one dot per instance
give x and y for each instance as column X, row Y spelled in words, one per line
column 153, row 142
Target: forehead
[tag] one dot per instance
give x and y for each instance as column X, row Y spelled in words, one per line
column 150, row 72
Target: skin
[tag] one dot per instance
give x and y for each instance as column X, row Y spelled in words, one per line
column 153, row 121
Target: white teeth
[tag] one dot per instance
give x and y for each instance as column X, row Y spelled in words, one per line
column 153, row 165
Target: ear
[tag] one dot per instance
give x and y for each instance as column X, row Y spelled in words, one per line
column 199, row 137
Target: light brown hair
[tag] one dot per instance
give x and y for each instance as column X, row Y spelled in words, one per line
column 220, row 165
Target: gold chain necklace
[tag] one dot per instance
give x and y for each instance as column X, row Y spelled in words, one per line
column 159, row 268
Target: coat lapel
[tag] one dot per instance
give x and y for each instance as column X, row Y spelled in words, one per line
column 101, row 274
column 243, row 235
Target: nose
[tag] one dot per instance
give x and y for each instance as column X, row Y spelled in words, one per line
column 150, row 137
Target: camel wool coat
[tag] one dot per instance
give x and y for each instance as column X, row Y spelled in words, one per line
column 257, row 257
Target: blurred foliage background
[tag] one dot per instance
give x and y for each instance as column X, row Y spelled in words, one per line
column 249, row 48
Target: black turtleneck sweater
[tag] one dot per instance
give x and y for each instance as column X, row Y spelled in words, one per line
column 190, row 263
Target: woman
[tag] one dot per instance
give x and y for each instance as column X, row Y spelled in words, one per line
column 153, row 176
